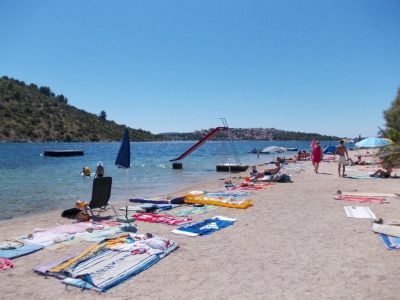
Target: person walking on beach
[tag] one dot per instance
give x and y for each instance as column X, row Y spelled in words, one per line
column 341, row 150
column 316, row 156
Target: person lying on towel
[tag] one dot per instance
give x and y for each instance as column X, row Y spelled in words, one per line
column 272, row 171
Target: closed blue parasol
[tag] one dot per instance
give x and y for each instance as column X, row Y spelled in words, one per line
column 124, row 154
column 373, row 142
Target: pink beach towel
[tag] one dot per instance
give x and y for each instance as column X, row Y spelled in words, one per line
column 155, row 218
column 5, row 263
column 251, row 186
column 361, row 199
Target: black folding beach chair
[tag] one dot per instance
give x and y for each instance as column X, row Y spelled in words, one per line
column 101, row 194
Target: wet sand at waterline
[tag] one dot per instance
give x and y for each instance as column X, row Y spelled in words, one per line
column 294, row 243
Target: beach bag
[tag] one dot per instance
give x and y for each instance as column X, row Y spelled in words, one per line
column 83, row 216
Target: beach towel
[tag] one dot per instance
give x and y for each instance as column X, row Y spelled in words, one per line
column 251, row 186
column 233, row 199
column 155, row 218
column 5, row 263
column 98, row 235
column 205, row 227
column 390, row 242
column 113, row 261
column 148, row 207
column 369, row 194
column 13, row 249
column 361, row 199
column 45, row 268
column 390, row 228
column 153, row 200
column 359, row 212
column 49, row 236
column 193, row 210
column 362, row 177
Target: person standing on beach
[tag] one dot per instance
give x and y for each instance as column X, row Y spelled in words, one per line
column 316, row 156
column 341, row 150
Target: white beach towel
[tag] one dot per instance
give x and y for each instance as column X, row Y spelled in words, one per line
column 359, row 212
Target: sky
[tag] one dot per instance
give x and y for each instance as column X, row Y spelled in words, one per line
column 330, row 67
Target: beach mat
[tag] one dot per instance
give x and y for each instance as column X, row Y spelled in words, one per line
column 390, row 242
column 232, row 199
column 359, row 212
column 361, row 199
column 205, row 227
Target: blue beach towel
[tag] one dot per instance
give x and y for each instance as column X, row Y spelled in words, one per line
column 390, row 242
column 205, row 227
column 17, row 249
column 362, row 177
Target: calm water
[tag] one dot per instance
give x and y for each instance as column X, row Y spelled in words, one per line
column 32, row 183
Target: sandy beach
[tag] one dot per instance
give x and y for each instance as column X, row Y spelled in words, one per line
column 295, row 242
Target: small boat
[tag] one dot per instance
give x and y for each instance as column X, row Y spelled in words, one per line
column 273, row 149
column 231, row 168
column 292, row 149
column 62, row 153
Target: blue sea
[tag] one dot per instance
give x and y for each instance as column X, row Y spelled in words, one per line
column 32, row 183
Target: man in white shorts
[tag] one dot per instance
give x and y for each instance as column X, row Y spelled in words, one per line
column 343, row 156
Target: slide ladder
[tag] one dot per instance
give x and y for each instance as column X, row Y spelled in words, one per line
column 209, row 135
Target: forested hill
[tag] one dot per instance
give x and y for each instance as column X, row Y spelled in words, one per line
column 32, row 113
column 252, row 134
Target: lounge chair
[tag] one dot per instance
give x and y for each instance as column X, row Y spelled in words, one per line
column 101, row 193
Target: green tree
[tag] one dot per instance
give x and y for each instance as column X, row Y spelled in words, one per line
column 392, row 115
column 103, row 115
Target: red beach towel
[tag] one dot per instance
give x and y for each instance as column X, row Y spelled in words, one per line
column 361, row 199
column 155, row 218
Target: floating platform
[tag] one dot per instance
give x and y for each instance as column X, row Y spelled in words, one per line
column 61, row 153
column 231, row 168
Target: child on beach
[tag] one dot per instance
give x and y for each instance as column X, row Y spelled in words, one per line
column 253, row 172
column 341, row 150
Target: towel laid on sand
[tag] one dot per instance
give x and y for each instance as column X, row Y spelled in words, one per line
column 390, row 242
column 390, row 228
column 251, row 186
column 5, row 264
column 368, row 194
column 113, row 261
column 155, row 218
column 359, row 212
column 192, row 210
column 205, row 227
column 361, row 199
column 362, row 177
column 13, row 249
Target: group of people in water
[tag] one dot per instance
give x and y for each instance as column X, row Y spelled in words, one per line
column 316, row 156
column 99, row 170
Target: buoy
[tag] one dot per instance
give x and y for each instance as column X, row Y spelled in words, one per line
column 176, row 165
